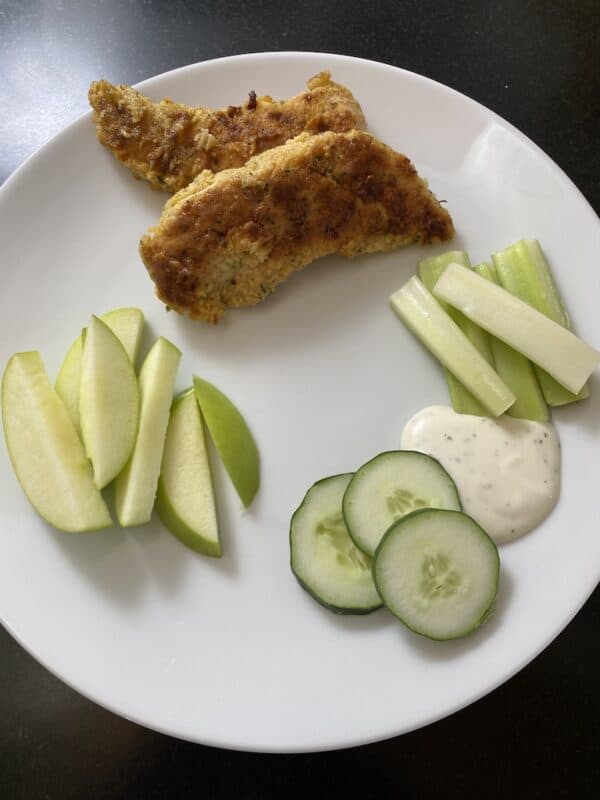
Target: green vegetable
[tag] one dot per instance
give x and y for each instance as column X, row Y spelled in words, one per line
column 390, row 486
column 516, row 371
column 324, row 558
column 523, row 270
column 437, row 571
column 421, row 312
column 430, row 269
column 552, row 347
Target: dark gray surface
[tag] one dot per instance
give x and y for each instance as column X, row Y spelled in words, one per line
column 536, row 64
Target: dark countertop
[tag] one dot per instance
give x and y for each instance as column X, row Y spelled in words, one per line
column 536, row 64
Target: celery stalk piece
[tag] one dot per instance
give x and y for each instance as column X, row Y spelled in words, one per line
column 425, row 317
column 516, row 371
column 430, row 269
column 523, row 270
column 552, row 347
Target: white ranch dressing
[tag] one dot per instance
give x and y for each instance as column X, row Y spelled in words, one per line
column 506, row 470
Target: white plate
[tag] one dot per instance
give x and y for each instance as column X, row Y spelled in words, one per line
column 233, row 652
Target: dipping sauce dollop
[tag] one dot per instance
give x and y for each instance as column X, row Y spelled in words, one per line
column 506, row 470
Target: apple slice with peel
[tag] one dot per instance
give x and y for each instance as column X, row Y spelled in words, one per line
column 232, row 438
column 69, row 378
column 135, row 487
column 127, row 324
column 109, row 403
column 185, row 500
column 45, row 450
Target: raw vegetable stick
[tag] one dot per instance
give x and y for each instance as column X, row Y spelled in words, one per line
column 430, row 269
column 523, row 270
column 425, row 317
column 567, row 358
column 516, row 370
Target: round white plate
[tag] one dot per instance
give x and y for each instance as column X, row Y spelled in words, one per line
column 232, row 652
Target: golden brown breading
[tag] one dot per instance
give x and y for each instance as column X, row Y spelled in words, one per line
column 169, row 144
column 229, row 239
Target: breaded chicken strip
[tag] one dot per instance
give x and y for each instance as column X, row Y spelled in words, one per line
column 229, row 239
column 169, row 144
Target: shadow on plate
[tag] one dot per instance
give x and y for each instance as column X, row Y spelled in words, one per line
column 427, row 648
column 357, row 622
column 104, row 558
column 432, row 650
column 585, row 413
column 314, row 304
column 124, row 563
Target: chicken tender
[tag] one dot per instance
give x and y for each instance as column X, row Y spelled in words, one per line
column 229, row 239
column 169, row 144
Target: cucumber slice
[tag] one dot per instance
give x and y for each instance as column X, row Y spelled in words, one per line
column 390, row 486
column 324, row 558
column 437, row 571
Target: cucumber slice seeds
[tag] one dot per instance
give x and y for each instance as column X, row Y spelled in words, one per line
column 437, row 571
column 324, row 558
column 390, row 486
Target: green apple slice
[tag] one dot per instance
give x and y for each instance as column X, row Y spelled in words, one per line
column 69, row 378
column 45, row 450
column 185, row 500
column 232, row 438
column 135, row 487
column 109, row 403
column 127, row 324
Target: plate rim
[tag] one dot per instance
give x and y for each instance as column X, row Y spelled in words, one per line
column 351, row 741
column 282, row 54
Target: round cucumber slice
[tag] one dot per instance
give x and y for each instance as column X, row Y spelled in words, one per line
column 390, row 486
column 437, row 571
column 324, row 558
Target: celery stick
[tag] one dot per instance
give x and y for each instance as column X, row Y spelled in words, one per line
column 567, row 358
column 516, row 371
column 555, row 394
column 430, row 270
column 523, row 270
column 424, row 316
